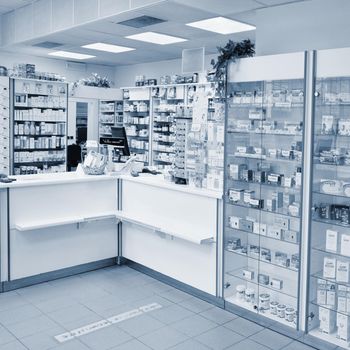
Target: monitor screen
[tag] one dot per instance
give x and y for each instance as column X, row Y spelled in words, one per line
column 118, row 140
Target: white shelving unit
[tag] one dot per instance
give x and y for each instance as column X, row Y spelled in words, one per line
column 110, row 114
column 5, row 125
column 39, row 126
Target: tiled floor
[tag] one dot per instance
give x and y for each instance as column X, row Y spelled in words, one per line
column 32, row 316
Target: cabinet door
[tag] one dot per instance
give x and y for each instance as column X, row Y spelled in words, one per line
column 329, row 282
column 263, row 197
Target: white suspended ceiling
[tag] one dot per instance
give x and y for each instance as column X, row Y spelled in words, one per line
column 74, row 23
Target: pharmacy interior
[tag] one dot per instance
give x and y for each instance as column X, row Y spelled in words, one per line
column 230, row 181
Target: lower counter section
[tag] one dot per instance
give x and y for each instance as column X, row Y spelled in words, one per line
column 184, row 261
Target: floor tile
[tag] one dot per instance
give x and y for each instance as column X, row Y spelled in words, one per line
column 11, row 300
column 219, row 338
column 194, row 325
column 171, row 314
column 71, row 345
column 218, row 315
column 43, row 340
column 132, row 345
column 243, row 326
column 19, row 314
column 247, row 344
column 190, row 344
column 102, row 303
column 175, row 295
column 163, row 338
column 28, row 327
column 196, row 305
column 55, row 304
column 5, row 336
column 140, row 325
column 295, row 345
column 15, row 345
column 71, row 314
column 105, row 338
column 271, row 339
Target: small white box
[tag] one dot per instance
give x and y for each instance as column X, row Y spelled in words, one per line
column 345, row 245
column 332, row 240
column 329, row 267
column 234, row 221
column 248, row 275
column 321, row 297
column 343, row 324
column 327, row 319
column 342, row 271
column 331, row 298
column 342, row 304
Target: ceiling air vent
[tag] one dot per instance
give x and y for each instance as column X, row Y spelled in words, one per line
column 47, row 44
column 142, row 21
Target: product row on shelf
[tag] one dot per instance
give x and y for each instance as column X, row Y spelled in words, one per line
column 110, row 114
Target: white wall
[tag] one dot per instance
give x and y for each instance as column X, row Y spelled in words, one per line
column 315, row 24
column 125, row 75
column 8, row 59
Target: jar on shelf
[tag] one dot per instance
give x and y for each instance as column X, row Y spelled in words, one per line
column 281, row 310
column 273, row 307
column 240, row 292
column 290, row 314
column 249, row 295
column 264, row 301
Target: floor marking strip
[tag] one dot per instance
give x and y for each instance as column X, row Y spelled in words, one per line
column 92, row 327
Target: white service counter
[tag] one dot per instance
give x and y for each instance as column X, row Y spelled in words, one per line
column 60, row 221
column 56, row 221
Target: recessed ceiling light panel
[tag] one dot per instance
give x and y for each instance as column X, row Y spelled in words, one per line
column 222, row 25
column 108, row 47
column 74, row 55
column 156, row 38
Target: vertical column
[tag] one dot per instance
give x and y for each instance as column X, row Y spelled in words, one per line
column 310, row 63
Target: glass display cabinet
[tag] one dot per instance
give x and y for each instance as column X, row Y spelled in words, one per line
column 329, row 282
column 263, row 195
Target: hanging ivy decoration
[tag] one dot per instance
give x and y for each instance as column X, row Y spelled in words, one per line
column 230, row 52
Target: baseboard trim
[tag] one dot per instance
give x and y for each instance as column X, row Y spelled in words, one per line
column 177, row 284
column 53, row 275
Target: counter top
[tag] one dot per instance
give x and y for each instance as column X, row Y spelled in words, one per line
column 73, row 177
column 53, row 179
column 158, row 181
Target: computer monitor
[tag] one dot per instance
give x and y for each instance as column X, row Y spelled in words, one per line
column 118, row 140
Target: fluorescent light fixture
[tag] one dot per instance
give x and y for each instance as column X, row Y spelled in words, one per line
column 222, row 25
column 156, row 38
column 108, row 47
column 74, row 55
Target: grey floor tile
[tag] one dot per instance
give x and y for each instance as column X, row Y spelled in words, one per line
column 153, row 299
column 295, row 345
column 218, row 315
column 11, row 300
column 196, row 305
column 163, row 338
column 175, row 295
column 5, row 336
column 171, row 314
column 102, row 303
column 219, row 338
column 132, row 345
column 71, row 314
column 71, row 345
column 105, row 338
column 194, row 325
column 243, row 326
column 43, row 340
column 140, row 325
column 15, row 345
column 81, row 322
column 247, row 344
column 271, row 339
column 159, row 287
column 55, row 304
column 19, row 314
column 28, row 327
column 190, row 344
